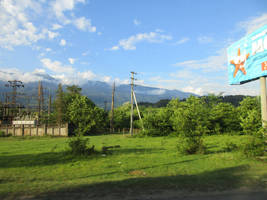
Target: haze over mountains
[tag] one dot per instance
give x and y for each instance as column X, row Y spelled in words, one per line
column 100, row 92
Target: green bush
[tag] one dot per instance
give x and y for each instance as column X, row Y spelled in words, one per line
column 190, row 118
column 79, row 146
column 224, row 118
column 191, row 145
column 230, row 146
column 253, row 147
column 251, row 123
column 157, row 122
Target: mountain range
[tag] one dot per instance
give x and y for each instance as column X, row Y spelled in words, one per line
column 100, row 92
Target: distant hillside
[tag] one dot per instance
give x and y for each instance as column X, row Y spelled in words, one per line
column 100, row 92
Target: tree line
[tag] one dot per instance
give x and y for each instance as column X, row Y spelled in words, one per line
column 205, row 115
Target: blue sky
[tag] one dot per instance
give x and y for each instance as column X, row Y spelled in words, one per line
column 170, row 44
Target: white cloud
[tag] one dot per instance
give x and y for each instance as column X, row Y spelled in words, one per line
column 152, row 37
column 253, row 23
column 56, row 26
column 62, row 42
column 15, row 74
column 48, row 49
column 106, row 79
column 182, row 41
column 157, row 92
column 56, row 66
column 60, row 6
column 89, row 75
column 17, row 28
column 212, row 63
column 204, row 39
column 71, row 60
column 51, row 34
column 77, row 78
column 136, row 22
column 84, row 24
column 114, row 48
column 37, row 70
column 198, row 91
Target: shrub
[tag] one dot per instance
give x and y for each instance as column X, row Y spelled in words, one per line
column 251, row 123
column 224, row 118
column 191, row 145
column 78, row 146
column 84, row 115
column 157, row 122
column 190, row 118
column 230, row 146
column 253, row 147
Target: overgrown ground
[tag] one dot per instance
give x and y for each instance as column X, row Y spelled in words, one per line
column 40, row 168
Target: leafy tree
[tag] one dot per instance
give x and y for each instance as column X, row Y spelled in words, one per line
column 122, row 116
column 250, row 115
column 224, row 118
column 249, row 103
column 84, row 115
column 191, row 117
column 157, row 122
column 211, row 100
column 71, row 93
column 251, row 124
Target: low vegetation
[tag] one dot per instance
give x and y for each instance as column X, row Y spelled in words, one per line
column 43, row 166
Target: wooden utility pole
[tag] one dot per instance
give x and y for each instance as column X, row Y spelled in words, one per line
column 112, row 108
column 49, row 103
column 263, row 101
column 132, row 88
column 40, row 98
column 140, row 118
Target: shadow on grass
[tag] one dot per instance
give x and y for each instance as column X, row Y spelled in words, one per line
column 221, row 179
column 139, row 169
column 52, row 158
column 41, row 159
column 136, row 150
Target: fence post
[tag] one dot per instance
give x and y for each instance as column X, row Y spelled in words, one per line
column 59, row 129
column 22, row 130
column 67, row 129
column 45, row 129
column 14, row 133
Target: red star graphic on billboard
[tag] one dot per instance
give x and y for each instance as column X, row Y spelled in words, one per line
column 239, row 63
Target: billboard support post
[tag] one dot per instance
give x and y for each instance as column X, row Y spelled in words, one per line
column 263, row 101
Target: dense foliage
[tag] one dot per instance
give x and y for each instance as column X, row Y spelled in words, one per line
column 83, row 116
column 203, row 116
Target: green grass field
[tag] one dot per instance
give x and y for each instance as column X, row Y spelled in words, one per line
column 40, row 167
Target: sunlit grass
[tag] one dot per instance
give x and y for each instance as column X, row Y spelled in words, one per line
column 40, row 165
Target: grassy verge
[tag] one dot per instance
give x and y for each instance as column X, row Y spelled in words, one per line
column 40, row 166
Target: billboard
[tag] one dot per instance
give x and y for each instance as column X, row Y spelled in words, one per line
column 247, row 58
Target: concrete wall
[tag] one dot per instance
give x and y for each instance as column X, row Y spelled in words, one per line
column 35, row 130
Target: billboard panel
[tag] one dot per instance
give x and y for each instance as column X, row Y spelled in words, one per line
column 247, row 58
